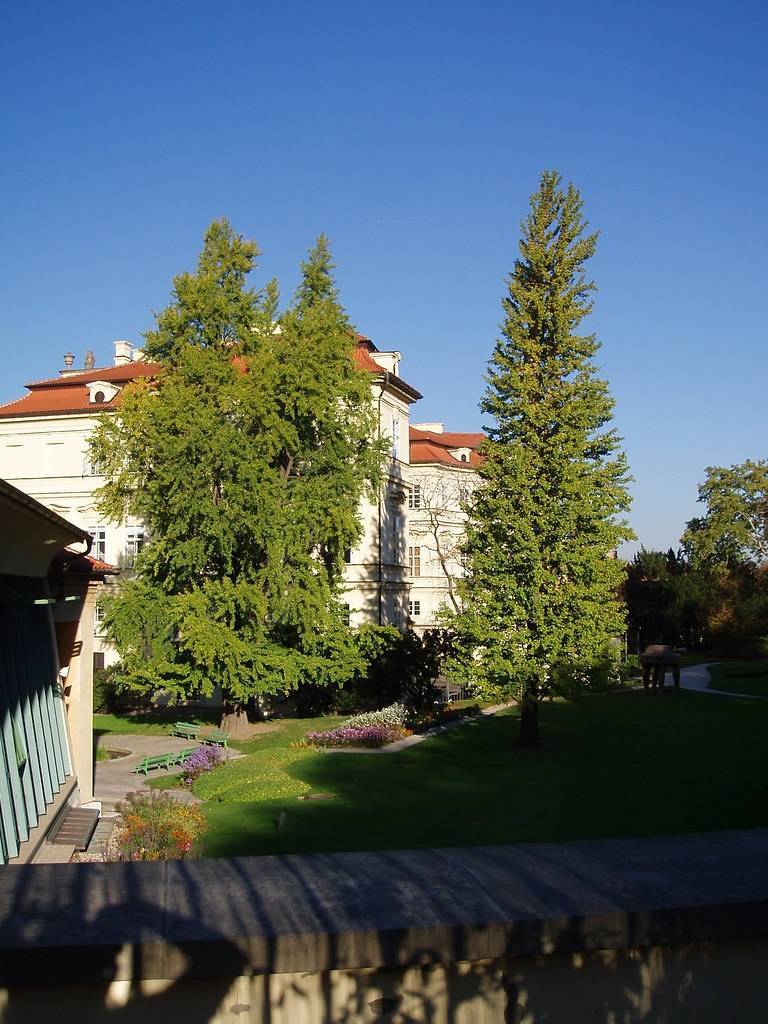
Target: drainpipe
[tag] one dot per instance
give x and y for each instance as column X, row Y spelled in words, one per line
column 378, row 531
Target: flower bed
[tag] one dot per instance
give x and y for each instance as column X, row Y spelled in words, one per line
column 154, row 826
column 393, row 717
column 204, row 759
column 356, row 736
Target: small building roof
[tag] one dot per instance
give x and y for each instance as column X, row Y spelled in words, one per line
column 428, row 447
column 31, row 535
column 59, row 396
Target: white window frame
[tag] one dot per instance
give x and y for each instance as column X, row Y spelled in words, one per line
column 414, row 496
column 99, row 545
column 414, row 560
column 134, row 543
column 395, row 437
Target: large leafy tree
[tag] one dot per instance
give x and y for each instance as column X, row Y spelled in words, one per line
column 734, row 529
column 541, row 602
column 246, row 458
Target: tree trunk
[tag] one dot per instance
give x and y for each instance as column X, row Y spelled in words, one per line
column 234, row 719
column 528, row 733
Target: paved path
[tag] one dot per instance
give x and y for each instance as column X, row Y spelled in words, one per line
column 697, row 677
column 113, row 780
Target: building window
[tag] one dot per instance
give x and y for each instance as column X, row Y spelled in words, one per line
column 98, row 661
column 414, row 496
column 395, row 437
column 414, row 561
column 99, row 546
column 133, row 544
column 414, row 607
column 348, row 555
column 94, row 468
column 463, row 456
column 98, row 617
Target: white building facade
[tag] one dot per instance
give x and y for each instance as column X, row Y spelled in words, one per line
column 443, row 474
column 44, row 452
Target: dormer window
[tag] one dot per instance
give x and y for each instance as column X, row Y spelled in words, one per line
column 101, row 391
column 461, row 454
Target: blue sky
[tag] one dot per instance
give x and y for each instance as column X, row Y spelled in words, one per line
column 412, row 134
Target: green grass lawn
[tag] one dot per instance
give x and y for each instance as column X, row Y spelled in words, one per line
column 152, row 724
column 740, row 677
column 614, row 765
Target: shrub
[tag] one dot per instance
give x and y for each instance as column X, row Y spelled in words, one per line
column 442, row 713
column 104, row 690
column 155, row 826
column 203, row 760
column 355, row 736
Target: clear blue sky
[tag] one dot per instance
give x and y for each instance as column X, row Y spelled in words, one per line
column 412, row 134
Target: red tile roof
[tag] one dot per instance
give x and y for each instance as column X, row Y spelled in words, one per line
column 362, row 356
column 76, row 563
column 69, row 394
column 59, row 396
column 427, row 446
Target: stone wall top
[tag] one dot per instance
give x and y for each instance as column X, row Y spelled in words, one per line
column 96, row 922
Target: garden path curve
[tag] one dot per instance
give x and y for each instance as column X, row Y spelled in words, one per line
column 696, row 677
column 114, row 779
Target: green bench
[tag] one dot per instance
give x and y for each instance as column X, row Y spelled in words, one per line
column 217, row 737
column 145, row 766
column 182, row 755
column 167, row 761
column 187, row 730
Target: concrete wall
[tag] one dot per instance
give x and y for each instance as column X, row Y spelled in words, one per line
column 713, row 983
column 617, row 931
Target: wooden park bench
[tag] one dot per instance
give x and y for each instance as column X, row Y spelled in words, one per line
column 655, row 661
column 147, row 764
column 217, row 737
column 186, row 730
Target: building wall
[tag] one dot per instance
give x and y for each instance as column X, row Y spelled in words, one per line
column 435, row 532
column 35, row 760
column 47, row 458
column 376, row 578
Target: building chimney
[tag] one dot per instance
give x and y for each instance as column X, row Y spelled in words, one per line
column 123, row 353
column 68, row 360
column 90, row 360
column 430, row 428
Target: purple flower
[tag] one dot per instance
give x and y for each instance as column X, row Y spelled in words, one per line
column 355, row 736
column 203, row 760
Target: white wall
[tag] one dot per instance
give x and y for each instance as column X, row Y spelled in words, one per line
column 437, row 528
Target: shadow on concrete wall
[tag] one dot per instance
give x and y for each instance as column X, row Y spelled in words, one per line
column 229, row 950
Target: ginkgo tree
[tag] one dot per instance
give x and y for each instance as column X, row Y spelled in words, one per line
column 246, row 456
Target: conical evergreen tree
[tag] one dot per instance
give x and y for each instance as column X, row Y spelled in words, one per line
column 247, row 459
column 540, row 599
